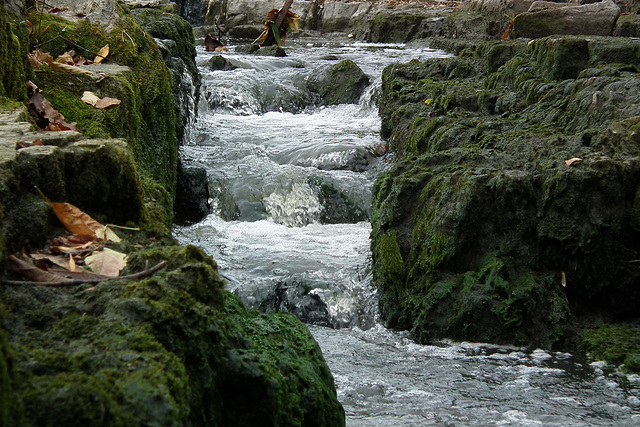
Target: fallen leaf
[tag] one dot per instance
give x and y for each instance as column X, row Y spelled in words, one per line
column 72, row 263
column 79, row 222
column 59, row 260
column 81, row 60
column 107, row 262
column 107, row 102
column 47, row 117
column 104, row 52
column 90, row 98
column 58, row 9
column 28, row 271
column 65, row 58
column 37, row 58
column 97, row 102
column 572, row 161
column 71, row 68
column 24, row 144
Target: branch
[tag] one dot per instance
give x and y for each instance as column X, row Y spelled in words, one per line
column 75, row 282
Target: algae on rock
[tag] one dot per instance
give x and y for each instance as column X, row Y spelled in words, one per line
column 145, row 118
column 173, row 349
column 481, row 222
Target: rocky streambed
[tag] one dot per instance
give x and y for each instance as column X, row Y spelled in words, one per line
column 174, row 347
column 509, row 216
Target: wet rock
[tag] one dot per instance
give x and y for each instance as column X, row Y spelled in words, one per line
column 175, row 39
column 192, row 194
column 547, row 18
column 191, row 10
column 247, row 48
column 337, row 206
column 342, row 83
column 250, row 32
column 220, row 63
column 627, row 25
column 482, row 222
column 274, row 50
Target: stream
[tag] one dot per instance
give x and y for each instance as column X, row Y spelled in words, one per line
column 290, row 185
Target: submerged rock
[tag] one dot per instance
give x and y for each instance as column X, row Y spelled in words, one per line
column 511, row 207
column 342, row 83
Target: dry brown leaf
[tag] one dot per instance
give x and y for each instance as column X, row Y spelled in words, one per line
column 24, row 144
column 79, row 222
column 65, row 58
column 72, row 263
column 572, row 161
column 104, row 52
column 38, row 58
column 71, row 68
column 47, row 117
column 28, row 271
column 107, row 262
column 107, row 102
column 97, row 102
column 81, row 60
column 90, row 98
column 59, row 260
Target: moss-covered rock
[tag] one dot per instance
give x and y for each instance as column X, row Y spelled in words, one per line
column 342, row 83
column 171, row 349
column 615, row 344
column 177, row 45
column 146, row 116
column 14, row 46
column 481, row 223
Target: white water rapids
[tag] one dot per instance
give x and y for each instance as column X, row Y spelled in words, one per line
column 291, row 188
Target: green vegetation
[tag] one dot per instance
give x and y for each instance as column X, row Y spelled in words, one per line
column 173, row 349
column 615, row 344
column 145, row 118
column 500, row 239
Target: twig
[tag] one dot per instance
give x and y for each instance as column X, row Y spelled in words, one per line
column 75, row 282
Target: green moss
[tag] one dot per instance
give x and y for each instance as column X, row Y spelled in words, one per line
column 480, row 144
column 172, row 349
column 615, row 344
column 9, row 404
column 15, row 67
column 146, row 116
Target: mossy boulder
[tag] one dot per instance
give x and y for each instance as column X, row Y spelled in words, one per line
column 14, row 46
column 146, row 116
column 342, row 83
column 171, row 349
column 482, row 230
column 615, row 344
column 98, row 176
column 176, row 41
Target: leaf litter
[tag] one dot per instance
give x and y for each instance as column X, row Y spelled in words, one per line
column 77, row 257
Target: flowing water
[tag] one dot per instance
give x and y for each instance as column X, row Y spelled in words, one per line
column 291, row 189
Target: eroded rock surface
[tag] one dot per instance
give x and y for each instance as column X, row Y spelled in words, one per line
column 511, row 209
